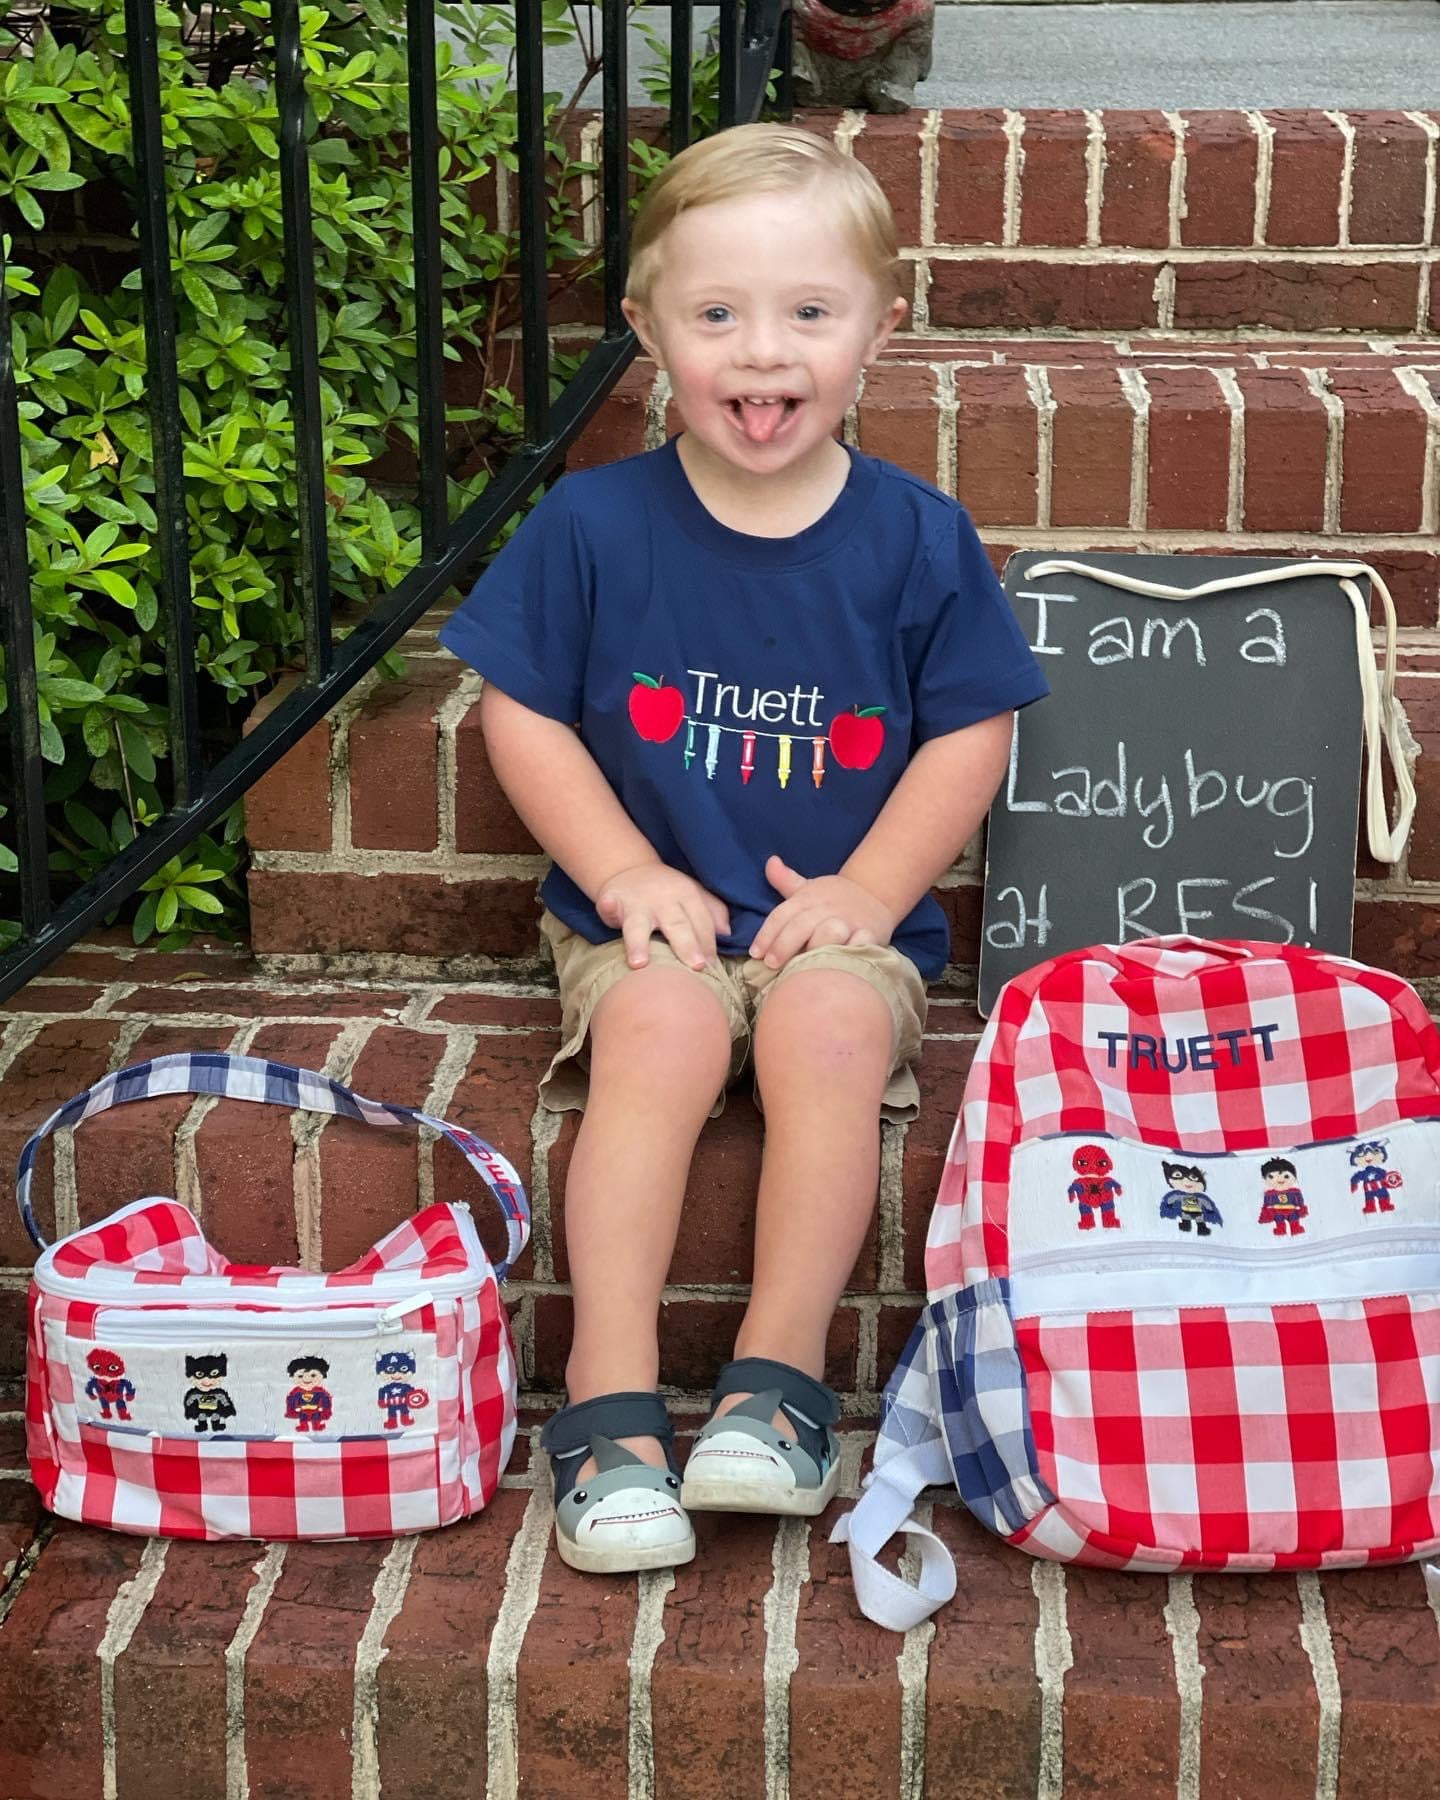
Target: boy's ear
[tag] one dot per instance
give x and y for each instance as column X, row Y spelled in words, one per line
column 890, row 322
column 639, row 322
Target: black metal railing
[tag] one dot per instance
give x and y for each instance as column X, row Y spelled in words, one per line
column 754, row 39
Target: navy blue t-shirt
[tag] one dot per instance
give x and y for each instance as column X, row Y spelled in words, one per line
column 748, row 696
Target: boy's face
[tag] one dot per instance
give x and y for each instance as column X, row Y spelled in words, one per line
column 764, row 316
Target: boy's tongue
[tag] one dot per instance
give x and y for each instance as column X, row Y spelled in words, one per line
column 760, row 423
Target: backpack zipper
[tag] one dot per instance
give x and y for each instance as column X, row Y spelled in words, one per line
column 1210, row 1255
column 133, row 1325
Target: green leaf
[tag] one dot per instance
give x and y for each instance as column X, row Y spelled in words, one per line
column 144, row 926
column 166, row 909
column 201, row 899
column 137, row 752
column 60, row 689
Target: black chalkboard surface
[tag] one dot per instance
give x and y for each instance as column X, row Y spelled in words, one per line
column 1196, row 767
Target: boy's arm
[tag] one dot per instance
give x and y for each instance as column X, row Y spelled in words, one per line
column 933, row 813
column 556, row 786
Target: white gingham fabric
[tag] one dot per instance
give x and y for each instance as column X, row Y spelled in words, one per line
column 1183, row 1273
column 175, row 1393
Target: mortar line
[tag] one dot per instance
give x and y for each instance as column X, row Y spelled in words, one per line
column 1054, row 1656
column 452, row 710
column 1182, row 1622
column 1163, row 293
column 122, row 1617
column 1318, row 383
column 523, row 1570
column 591, row 134
column 929, row 174
column 1347, row 173
column 1432, row 137
column 1320, row 1648
column 237, row 1768
column 1095, row 163
column 544, row 1131
column 66, row 1189
column 1415, row 384
column 1037, row 380
column 187, row 1164
column 387, row 1597
column 847, row 128
column 656, row 403
column 25, row 1561
column 890, row 1258
column 1132, row 382
column 1176, row 212
column 1264, row 173
column 912, row 1665
column 306, row 1129
column 1014, row 173
column 947, row 438
column 459, row 1052
column 1235, row 492
column 790, row 1564
column 645, row 1641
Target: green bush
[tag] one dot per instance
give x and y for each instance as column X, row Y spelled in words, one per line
column 66, row 178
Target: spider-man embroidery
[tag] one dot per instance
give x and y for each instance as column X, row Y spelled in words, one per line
column 1093, row 1186
column 1371, row 1176
column 108, row 1383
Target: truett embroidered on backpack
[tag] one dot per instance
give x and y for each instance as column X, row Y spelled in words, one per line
column 1193, row 1052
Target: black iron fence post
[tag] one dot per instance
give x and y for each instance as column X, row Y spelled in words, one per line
column 752, row 34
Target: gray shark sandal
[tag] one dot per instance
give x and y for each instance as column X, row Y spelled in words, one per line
column 627, row 1515
column 741, row 1463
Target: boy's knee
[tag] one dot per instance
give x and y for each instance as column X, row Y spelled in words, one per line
column 825, row 1017
column 664, row 1020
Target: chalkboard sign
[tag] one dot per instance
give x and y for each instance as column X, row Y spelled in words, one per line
column 1196, row 767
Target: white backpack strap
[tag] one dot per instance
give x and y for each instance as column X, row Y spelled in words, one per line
column 273, row 1084
column 1386, row 732
column 887, row 1505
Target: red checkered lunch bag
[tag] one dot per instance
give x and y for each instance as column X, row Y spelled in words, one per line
column 174, row 1393
column 1183, row 1276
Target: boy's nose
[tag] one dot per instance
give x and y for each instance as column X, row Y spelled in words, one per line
column 763, row 347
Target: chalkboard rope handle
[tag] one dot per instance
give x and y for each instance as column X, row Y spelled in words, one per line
column 1386, row 728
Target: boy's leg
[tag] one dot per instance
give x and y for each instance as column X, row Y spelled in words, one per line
column 824, row 1047
column 659, row 1054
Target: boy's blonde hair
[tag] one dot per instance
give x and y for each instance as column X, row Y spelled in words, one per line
column 761, row 159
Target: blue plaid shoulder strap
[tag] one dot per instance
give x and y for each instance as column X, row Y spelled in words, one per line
column 273, row 1084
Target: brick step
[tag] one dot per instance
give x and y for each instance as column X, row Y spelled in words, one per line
column 1137, row 220
column 279, row 1188
column 473, row 1661
column 383, row 843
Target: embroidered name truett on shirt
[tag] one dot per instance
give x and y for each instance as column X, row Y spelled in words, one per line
column 1187, row 1053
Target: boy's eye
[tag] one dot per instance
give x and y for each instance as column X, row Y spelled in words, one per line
column 716, row 315
column 811, row 312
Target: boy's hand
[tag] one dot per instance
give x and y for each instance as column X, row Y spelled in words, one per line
column 831, row 909
column 654, row 897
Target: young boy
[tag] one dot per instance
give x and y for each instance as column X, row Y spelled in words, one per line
column 793, row 675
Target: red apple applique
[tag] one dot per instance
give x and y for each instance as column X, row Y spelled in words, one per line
column 655, row 710
column 857, row 737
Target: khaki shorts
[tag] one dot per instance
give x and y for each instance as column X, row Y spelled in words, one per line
column 587, row 971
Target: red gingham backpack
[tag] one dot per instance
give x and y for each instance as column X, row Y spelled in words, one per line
column 172, row 1392
column 1183, row 1274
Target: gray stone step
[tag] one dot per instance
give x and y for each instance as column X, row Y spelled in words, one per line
column 1327, row 53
